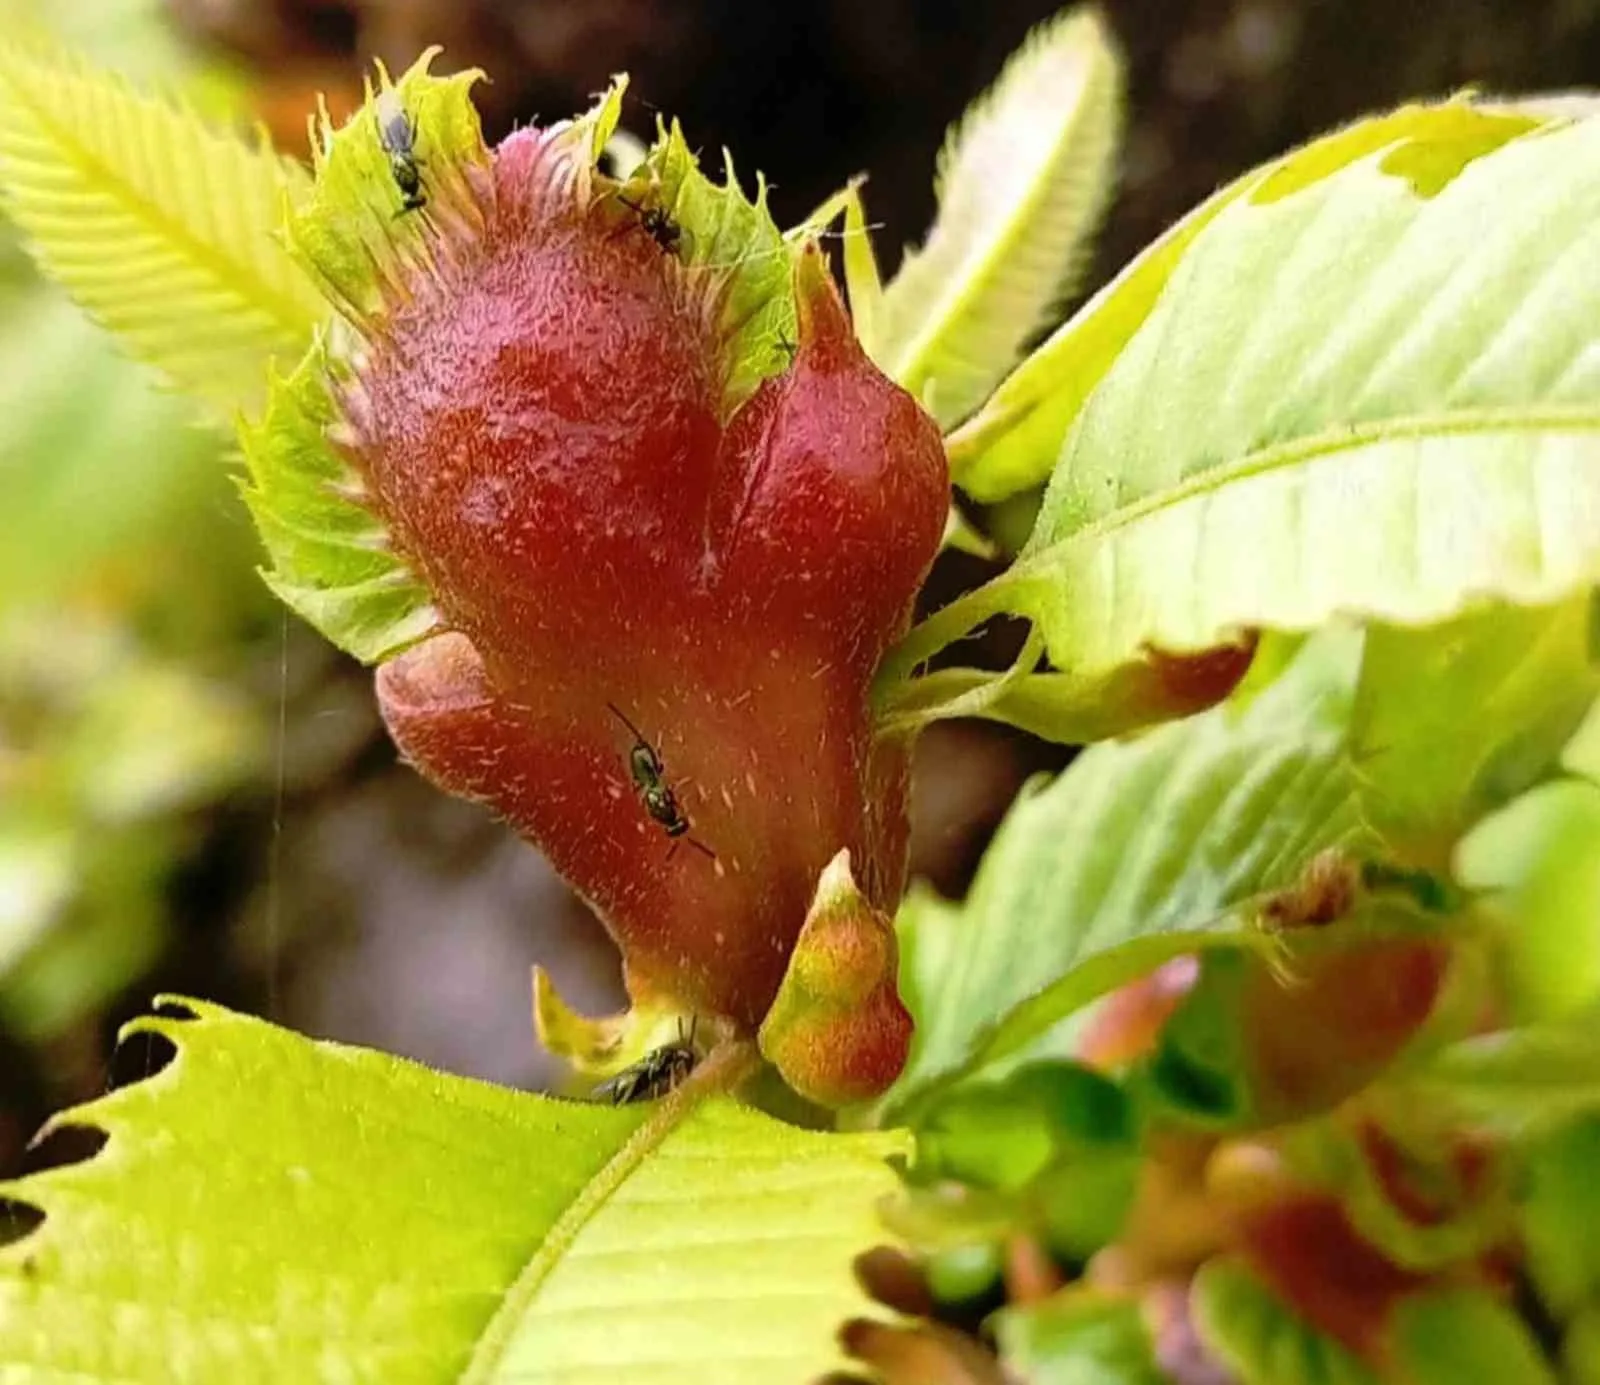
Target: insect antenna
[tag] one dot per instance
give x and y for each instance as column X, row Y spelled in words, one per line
column 621, row 716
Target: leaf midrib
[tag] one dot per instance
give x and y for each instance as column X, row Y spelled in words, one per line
column 1328, row 443
column 720, row 1071
column 951, row 622
column 294, row 323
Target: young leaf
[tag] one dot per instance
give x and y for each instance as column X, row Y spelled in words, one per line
column 332, row 563
column 1353, row 432
column 1012, row 444
column 1022, row 184
column 1260, row 1340
column 273, row 1208
column 1466, row 1334
column 1135, row 854
column 1561, row 1209
column 163, row 229
column 1076, row 1339
column 1540, row 858
column 1520, row 1081
column 1523, row 679
column 745, row 266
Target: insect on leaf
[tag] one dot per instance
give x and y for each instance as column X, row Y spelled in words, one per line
column 163, row 228
column 1022, row 183
column 278, row 1209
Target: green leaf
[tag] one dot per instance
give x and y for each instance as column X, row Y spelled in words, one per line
column 1559, row 1214
column 331, row 560
column 741, row 266
column 1522, row 679
column 102, row 470
column 162, row 228
column 106, row 744
column 332, row 563
column 1580, row 1353
column 36, row 881
column 278, row 1209
column 1317, row 417
column 1540, row 856
column 347, row 232
column 1465, row 1334
column 1023, row 181
column 1518, row 1081
column 1002, row 1135
column 1260, row 1340
column 1013, row 443
column 1078, row 1339
column 1137, row 853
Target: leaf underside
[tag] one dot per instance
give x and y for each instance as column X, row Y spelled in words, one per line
column 1372, row 393
column 270, row 1208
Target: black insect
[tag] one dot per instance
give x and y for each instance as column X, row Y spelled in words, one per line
column 654, row 1075
column 658, row 224
column 650, row 779
column 397, row 133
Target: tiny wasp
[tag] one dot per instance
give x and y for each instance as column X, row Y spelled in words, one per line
column 397, row 133
column 658, row 224
column 650, row 779
column 656, row 1074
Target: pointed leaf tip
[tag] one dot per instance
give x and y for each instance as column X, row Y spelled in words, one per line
column 1023, row 181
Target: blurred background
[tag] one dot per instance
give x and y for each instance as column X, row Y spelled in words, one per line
column 195, row 793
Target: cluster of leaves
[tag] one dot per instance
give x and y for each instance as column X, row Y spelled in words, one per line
column 1264, row 1042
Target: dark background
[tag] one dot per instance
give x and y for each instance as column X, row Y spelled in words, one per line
column 336, row 892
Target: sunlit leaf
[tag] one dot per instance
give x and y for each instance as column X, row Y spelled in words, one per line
column 1539, row 858
column 1398, row 421
column 1023, row 181
column 276, row 1209
column 163, row 228
column 1013, row 443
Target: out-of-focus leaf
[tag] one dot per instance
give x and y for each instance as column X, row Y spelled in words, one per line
column 1137, row 853
column 1580, row 1353
column 1520, row 1081
column 1540, row 856
column 1002, row 1135
column 36, row 869
column 1561, row 1208
column 1078, row 1339
column 1451, row 1337
column 1260, row 1340
column 1023, row 181
column 102, row 745
column 1453, row 722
